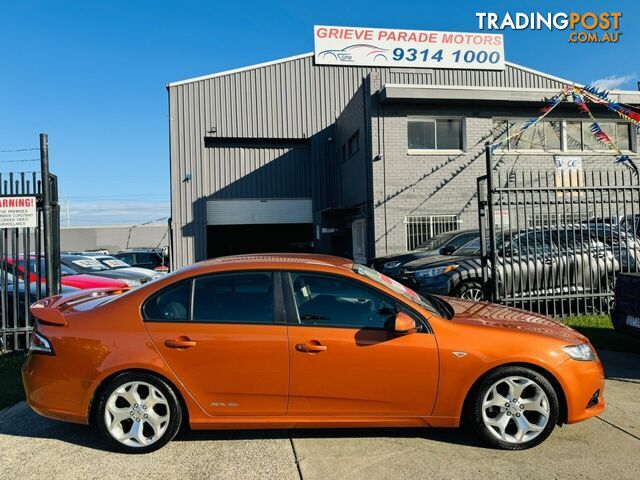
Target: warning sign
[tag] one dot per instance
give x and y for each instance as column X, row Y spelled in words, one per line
column 18, row 212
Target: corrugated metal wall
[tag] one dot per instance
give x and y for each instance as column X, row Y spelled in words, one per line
column 289, row 100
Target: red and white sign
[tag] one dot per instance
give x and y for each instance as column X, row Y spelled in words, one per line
column 385, row 47
column 18, row 212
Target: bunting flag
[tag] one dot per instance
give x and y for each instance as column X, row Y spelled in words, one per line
column 581, row 96
column 552, row 103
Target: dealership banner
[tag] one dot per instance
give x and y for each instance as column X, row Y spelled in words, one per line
column 385, row 47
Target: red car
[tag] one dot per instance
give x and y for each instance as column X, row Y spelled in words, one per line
column 67, row 276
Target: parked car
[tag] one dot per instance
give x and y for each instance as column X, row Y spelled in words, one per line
column 443, row 244
column 529, row 262
column 625, row 315
column 68, row 277
column 153, row 259
column 114, row 263
column 302, row 341
column 91, row 266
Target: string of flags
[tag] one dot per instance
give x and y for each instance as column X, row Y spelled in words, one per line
column 581, row 96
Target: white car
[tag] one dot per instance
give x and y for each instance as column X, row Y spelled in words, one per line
column 117, row 264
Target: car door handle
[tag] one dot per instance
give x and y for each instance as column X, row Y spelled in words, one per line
column 180, row 342
column 310, row 348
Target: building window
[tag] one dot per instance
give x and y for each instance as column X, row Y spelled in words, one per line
column 558, row 135
column 580, row 138
column 354, row 143
column 543, row 136
column 434, row 134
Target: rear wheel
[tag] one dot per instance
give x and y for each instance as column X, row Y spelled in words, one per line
column 138, row 413
column 471, row 291
column 514, row 408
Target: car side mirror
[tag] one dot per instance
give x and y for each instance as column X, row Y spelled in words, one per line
column 448, row 249
column 403, row 324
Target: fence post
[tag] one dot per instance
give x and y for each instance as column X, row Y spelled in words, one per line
column 491, row 217
column 52, row 273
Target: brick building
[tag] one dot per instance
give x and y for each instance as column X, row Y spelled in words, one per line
column 357, row 161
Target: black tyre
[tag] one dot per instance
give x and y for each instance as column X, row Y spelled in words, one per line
column 513, row 408
column 471, row 291
column 138, row 413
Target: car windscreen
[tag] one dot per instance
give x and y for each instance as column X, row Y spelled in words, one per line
column 113, row 263
column 406, row 292
column 85, row 265
column 438, row 241
column 64, row 270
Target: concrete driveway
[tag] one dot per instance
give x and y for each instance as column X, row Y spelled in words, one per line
column 604, row 447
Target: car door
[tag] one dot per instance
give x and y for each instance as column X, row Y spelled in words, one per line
column 224, row 337
column 344, row 360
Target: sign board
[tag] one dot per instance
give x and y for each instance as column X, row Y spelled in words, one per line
column 567, row 164
column 18, row 212
column 384, row 47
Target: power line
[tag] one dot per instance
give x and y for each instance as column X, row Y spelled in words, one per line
column 20, row 150
column 21, row 160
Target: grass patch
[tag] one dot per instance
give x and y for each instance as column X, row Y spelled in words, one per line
column 599, row 330
column 11, row 390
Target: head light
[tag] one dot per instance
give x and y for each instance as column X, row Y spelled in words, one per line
column 434, row 272
column 582, row 352
column 132, row 283
column 389, row 265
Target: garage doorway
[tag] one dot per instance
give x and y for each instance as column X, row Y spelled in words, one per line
column 238, row 239
column 239, row 226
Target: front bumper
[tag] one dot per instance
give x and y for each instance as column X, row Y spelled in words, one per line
column 580, row 381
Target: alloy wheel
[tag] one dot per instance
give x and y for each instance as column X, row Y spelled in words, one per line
column 515, row 409
column 137, row 414
column 473, row 294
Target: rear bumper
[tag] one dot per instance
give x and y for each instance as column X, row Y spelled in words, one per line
column 51, row 393
column 619, row 320
column 580, row 381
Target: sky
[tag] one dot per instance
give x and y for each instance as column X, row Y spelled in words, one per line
column 93, row 75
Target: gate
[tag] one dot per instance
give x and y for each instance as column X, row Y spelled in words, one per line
column 29, row 248
column 554, row 242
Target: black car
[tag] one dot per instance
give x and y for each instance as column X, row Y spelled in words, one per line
column 153, row 259
column 625, row 316
column 88, row 265
column 528, row 262
column 443, row 244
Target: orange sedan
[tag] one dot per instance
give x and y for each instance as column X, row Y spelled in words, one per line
column 283, row 341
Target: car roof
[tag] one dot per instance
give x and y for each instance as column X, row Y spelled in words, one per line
column 282, row 258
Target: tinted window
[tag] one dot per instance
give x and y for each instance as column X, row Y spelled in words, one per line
column 127, row 258
column 170, row 304
column 234, row 298
column 331, row 301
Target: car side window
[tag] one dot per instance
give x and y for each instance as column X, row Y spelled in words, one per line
column 332, row 301
column 127, row 258
column 169, row 304
column 245, row 297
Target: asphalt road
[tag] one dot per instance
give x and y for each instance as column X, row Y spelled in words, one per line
column 603, row 447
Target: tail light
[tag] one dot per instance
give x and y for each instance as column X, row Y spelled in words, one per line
column 40, row 344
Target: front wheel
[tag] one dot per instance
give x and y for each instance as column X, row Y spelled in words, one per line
column 514, row 408
column 138, row 413
column 471, row 291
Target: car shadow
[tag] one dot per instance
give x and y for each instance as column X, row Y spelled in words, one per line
column 21, row 421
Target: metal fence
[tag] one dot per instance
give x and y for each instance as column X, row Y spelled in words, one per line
column 29, row 256
column 556, row 245
column 421, row 228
